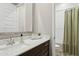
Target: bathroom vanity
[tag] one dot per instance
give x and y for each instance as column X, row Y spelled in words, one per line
column 31, row 46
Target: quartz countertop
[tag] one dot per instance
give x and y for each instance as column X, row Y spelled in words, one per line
column 20, row 48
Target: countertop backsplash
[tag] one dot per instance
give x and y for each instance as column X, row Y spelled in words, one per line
column 6, row 35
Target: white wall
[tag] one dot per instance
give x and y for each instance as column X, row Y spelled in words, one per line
column 59, row 20
column 8, row 20
column 43, row 18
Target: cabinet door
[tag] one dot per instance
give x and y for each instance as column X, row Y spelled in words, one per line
column 24, row 16
column 41, row 50
column 45, row 49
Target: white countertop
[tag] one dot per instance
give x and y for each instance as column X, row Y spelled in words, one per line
column 23, row 47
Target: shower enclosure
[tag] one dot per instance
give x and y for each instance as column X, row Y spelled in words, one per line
column 66, row 29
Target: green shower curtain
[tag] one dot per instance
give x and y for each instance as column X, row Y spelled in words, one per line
column 71, row 32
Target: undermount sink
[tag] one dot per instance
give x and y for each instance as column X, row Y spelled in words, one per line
column 32, row 37
column 36, row 37
column 4, row 43
column 32, row 40
column 3, row 46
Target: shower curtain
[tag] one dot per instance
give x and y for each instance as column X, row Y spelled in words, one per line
column 71, row 32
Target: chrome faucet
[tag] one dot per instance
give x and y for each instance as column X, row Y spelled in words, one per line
column 11, row 41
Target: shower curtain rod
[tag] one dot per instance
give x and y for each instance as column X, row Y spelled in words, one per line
column 66, row 9
column 71, row 8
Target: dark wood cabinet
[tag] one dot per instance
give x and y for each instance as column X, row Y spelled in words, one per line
column 41, row 50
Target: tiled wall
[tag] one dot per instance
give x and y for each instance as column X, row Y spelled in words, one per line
column 5, row 35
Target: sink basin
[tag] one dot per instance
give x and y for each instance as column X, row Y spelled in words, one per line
column 36, row 37
column 31, row 41
column 3, row 46
column 32, row 37
column 4, row 43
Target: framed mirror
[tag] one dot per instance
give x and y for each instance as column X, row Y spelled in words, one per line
column 15, row 17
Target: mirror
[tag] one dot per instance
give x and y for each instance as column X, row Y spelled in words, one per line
column 15, row 17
